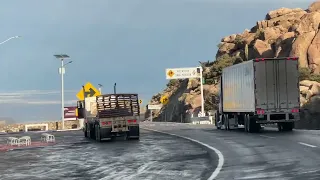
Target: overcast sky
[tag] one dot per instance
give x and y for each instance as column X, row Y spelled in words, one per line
column 130, row 42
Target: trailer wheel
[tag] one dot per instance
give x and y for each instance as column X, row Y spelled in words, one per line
column 225, row 122
column 217, row 119
column 246, row 122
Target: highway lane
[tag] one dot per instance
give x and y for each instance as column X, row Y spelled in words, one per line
column 267, row 155
column 155, row 156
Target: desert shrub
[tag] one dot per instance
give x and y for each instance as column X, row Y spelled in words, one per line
column 259, row 34
column 306, row 74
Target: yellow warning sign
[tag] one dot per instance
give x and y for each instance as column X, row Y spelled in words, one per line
column 170, row 73
column 164, row 100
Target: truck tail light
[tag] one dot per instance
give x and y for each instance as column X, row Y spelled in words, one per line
column 260, row 111
column 106, row 123
column 259, row 59
column 132, row 121
column 292, row 58
column 294, row 110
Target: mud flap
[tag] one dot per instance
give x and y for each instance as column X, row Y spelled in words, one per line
column 134, row 132
column 105, row 133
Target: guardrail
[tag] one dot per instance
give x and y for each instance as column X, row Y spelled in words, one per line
column 202, row 120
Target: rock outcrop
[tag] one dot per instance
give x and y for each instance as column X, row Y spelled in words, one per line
column 284, row 32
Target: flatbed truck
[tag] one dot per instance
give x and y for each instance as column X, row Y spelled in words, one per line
column 110, row 115
column 259, row 91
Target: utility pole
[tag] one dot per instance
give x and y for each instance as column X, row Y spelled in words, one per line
column 62, row 72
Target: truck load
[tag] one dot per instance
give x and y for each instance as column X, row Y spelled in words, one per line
column 259, row 91
column 110, row 115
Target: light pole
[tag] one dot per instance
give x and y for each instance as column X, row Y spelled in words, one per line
column 114, row 88
column 100, row 89
column 62, row 71
column 13, row 37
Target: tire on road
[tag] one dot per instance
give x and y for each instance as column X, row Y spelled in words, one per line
column 85, row 131
column 253, row 126
column 97, row 133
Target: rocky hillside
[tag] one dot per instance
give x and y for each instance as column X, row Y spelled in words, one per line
column 284, row 32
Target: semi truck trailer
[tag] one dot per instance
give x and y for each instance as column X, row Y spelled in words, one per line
column 110, row 115
column 259, row 91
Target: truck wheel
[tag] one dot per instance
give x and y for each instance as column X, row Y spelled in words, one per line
column 280, row 126
column 85, row 131
column 92, row 131
column 98, row 133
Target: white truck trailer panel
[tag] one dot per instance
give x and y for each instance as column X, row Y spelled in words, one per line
column 238, row 88
column 277, row 85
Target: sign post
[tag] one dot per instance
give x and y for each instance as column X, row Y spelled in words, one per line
column 151, row 107
column 187, row 73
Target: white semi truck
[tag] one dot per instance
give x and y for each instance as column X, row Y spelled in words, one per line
column 259, row 91
column 110, row 115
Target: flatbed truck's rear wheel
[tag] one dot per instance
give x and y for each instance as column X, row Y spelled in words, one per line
column 97, row 133
column 85, row 131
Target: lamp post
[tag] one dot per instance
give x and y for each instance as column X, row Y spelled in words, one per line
column 61, row 57
column 114, row 88
column 13, row 37
column 100, row 89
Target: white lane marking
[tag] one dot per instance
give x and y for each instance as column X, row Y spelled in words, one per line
column 220, row 155
column 267, row 136
column 309, row 145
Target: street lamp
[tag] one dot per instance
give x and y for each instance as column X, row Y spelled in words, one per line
column 100, row 89
column 114, row 88
column 13, row 37
column 62, row 71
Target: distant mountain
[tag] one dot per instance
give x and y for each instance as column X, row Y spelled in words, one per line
column 7, row 120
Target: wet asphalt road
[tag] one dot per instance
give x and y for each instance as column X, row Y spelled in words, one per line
column 269, row 155
column 155, row 156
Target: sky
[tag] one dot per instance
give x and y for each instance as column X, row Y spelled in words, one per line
column 130, row 42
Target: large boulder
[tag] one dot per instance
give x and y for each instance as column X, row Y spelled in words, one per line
column 281, row 12
column 314, row 7
column 263, row 49
column 300, row 47
column 314, row 54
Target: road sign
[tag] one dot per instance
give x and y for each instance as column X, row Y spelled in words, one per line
column 70, row 113
column 182, row 73
column 140, row 101
column 158, row 106
column 89, row 91
column 164, row 100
